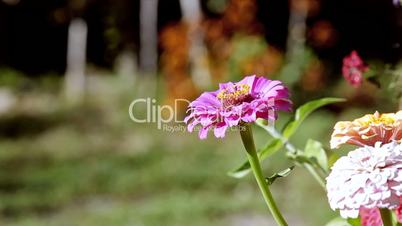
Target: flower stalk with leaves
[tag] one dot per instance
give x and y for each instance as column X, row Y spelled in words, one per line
column 257, row 100
column 240, row 104
column 248, row 141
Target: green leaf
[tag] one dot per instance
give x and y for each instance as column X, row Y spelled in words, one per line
column 314, row 151
column 264, row 153
column 275, row 145
column 300, row 159
column 284, row 173
column 305, row 110
column 241, row 171
column 354, row 221
column 338, row 222
column 332, row 159
column 395, row 219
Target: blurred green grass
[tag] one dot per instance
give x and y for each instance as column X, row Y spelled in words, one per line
column 91, row 165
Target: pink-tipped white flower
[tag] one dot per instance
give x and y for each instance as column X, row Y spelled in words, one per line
column 368, row 177
column 368, row 130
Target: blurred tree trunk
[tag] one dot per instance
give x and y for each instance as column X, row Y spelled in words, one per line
column 126, row 66
column 296, row 41
column 191, row 10
column 148, row 36
column 76, row 60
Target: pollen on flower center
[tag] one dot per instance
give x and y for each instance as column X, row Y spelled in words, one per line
column 234, row 94
column 383, row 120
column 378, row 119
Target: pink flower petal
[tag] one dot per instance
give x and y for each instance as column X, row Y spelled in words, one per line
column 251, row 98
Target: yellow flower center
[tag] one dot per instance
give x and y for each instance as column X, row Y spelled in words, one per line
column 377, row 119
column 234, row 94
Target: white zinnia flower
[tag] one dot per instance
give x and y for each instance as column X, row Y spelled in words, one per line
column 369, row 177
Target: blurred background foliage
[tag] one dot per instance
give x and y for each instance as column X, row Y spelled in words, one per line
column 86, row 163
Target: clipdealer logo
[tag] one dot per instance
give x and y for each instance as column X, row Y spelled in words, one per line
column 166, row 117
column 161, row 115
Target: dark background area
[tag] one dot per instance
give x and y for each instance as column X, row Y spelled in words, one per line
column 34, row 33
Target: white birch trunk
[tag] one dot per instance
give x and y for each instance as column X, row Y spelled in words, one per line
column 149, row 36
column 191, row 10
column 76, row 60
column 126, row 66
column 295, row 46
column 297, row 32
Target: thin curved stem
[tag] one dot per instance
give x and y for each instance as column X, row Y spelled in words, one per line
column 315, row 174
column 247, row 138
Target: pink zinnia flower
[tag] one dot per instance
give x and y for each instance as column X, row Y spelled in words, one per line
column 235, row 103
column 353, row 69
column 372, row 217
column 368, row 177
column 399, row 212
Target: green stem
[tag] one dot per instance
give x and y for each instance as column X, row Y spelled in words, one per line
column 386, row 217
column 247, row 138
column 315, row 174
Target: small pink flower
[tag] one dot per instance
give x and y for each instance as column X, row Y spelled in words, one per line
column 370, row 217
column 235, row 103
column 353, row 69
column 399, row 212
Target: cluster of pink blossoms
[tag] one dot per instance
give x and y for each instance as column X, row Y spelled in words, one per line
column 353, row 69
column 369, row 177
